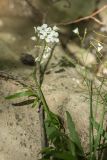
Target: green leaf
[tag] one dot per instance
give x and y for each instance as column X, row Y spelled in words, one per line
column 72, row 148
column 21, row 94
column 65, row 155
column 46, row 150
column 52, row 131
column 55, row 154
column 97, row 126
column 35, row 103
column 54, row 119
column 73, row 133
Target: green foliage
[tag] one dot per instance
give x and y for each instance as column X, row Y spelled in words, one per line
column 103, row 133
column 26, row 93
column 73, row 134
column 62, row 147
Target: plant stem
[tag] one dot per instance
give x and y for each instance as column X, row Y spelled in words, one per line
column 97, row 99
column 38, row 77
column 46, row 108
column 91, row 131
column 46, row 64
column 98, row 139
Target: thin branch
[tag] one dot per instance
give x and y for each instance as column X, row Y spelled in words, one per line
column 87, row 17
column 97, row 21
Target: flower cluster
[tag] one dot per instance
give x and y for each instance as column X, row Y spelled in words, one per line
column 49, row 34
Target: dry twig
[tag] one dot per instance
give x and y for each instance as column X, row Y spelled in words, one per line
column 92, row 16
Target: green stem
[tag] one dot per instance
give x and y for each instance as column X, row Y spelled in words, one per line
column 98, row 96
column 46, row 64
column 41, row 55
column 46, row 108
column 91, row 131
column 100, row 129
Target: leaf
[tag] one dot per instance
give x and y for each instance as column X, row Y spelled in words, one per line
column 23, row 103
column 52, row 131
column 73, row 133
column 53, row 118
column 97, row 126
column 46, row 150
column 64, row 156
column 35, row 103
column 21, row 94
column 72, row 148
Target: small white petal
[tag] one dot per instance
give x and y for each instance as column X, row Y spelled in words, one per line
column 45, row 56
column 39, row 28
column 47, row 49
column 44, row 26
column 76, row 31
column 56, row 34
column 48, row 30
column 55, row 28
column 53, row 33
column 41, row 36
column 104, row 71
column 100, row 47
column 35, row 29
column 44, row 34
column 33, row 38
column 56, row 40
column 48, row 40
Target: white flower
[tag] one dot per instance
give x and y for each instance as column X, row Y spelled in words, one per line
column 53, row 33
column 55, row 28
column 48, row 40
column 76, row 31
column 38, row 28
column 47, row 49
column 35, row 29
column 105, row 71
column 48, row 30
column 100, row 47
column 41, row 36
column 49, row 34
column 56, row 40
column 44, row 26
column 45, row 56
column 46, row 52
column 33, row 38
